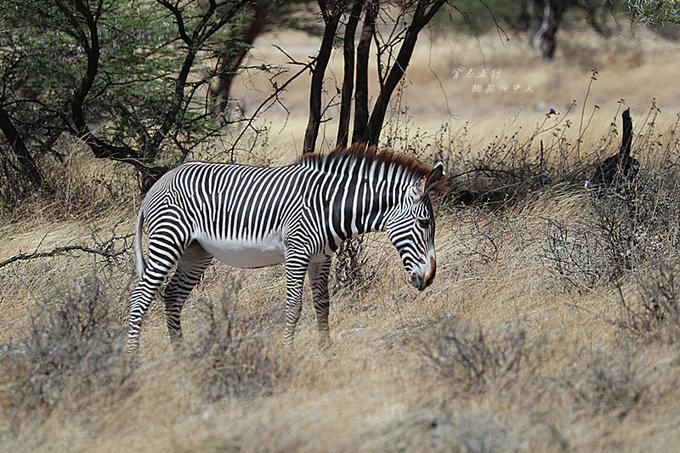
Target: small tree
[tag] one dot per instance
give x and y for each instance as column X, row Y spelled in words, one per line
column 123, row 76
column 545, row 18
column 393, row 52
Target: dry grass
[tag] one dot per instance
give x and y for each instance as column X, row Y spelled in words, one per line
column 501, row 353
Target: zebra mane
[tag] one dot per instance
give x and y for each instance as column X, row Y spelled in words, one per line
column 338, row 160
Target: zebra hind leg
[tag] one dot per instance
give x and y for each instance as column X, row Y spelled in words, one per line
column 190, row 269
column 318, row 280
column 162, row 257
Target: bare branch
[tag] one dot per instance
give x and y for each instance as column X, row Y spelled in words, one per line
column 179, row 19
column 274, row 96
column 421, row 17
column 106, row 250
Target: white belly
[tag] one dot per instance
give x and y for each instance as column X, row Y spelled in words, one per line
column 246, row 254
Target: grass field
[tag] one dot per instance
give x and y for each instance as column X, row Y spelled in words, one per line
column 552, row 324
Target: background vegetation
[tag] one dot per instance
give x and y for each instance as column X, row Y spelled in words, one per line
column 553, row 322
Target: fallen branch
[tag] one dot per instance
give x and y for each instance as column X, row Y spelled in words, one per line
column 106, row 252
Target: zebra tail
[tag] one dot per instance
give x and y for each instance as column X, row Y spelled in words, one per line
column 139, row 255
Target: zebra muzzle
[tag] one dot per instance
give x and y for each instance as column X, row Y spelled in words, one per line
column 417, row 281
column 423, row 281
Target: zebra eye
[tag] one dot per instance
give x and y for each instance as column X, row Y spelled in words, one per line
column 424, row 222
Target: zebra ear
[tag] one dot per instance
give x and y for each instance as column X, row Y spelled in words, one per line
column 435, row 180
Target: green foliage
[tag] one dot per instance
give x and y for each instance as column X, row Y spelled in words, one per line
column 655, row 12
column 136, row 70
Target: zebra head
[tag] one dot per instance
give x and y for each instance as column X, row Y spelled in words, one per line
column 410, row 227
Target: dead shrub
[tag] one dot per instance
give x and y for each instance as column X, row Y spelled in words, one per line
column 658, row 314
column 232, row 355
column 72, row 352
column 478, row 433
column 621, row 231
column 573, row 254
column 607, row 381
column 451, row 429
column 351, row 262
column 476, row 358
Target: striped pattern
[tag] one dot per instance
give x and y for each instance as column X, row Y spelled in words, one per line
column 298, row 215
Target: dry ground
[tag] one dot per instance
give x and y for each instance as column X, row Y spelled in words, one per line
column 503, row 352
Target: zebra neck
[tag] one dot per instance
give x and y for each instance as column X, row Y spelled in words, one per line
column 361, row 207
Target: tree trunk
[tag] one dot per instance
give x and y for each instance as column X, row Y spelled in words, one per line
column 228, row 67
column 312, row 132
column 421, row 17
column 348, row 75
column 363, row 52
column 26, row 162
column 622, row 167
column 90, row 43
column 549, row 14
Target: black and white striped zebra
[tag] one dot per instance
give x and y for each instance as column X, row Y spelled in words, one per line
column 298, row 215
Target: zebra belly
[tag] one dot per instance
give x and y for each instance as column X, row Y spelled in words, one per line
column 245, row 253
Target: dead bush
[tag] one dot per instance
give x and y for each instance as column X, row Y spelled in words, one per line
column 573, row 254
column 658, row 316
column 478, row 433
column 621, row 231
column 232, row 355
column 451, row 429
column 607, row 381
column 476, row 358
column 72, row 352
column 351, row 262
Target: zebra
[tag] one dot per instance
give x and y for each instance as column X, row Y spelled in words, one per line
column 299, row 214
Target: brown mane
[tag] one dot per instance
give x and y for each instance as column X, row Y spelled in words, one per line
column 371, row 154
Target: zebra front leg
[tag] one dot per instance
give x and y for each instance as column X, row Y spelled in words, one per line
column 190, row 269
column 318, row 280
column 295, row 278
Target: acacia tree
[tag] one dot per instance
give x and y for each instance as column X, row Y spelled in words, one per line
column 123, row 76
column 253, row 23
column 394, row 49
